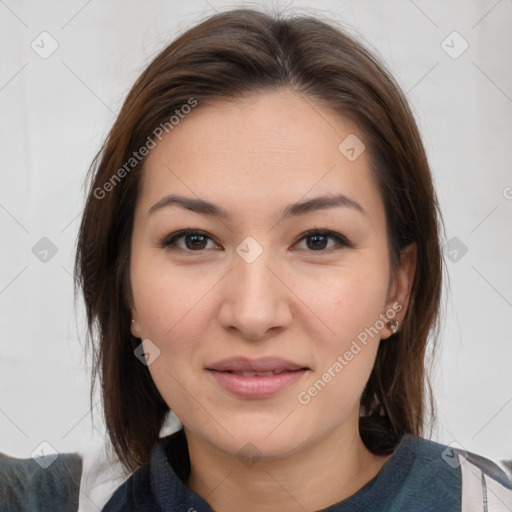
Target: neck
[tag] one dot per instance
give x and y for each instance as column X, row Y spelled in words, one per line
column 312, row 478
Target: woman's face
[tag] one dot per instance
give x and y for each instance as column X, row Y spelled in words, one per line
column 253, row 291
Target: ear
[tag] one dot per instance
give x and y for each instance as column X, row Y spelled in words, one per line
column 400, row 287
column 135, row 327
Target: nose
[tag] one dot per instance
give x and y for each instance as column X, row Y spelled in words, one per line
column 255, row 302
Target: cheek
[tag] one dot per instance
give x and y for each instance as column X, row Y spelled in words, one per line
column 169, row 302
column 347, row 304
column 174, row 310
column 345, row 359
column 173, row 314
column 350, row 306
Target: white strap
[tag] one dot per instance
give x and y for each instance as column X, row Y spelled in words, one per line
column 499, row 498
column 481, row 493
column 472, row 491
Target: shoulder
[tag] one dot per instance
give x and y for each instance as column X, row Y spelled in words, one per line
column 134, row 494
column 159, row 484
column 484, row 482
column 450, row 474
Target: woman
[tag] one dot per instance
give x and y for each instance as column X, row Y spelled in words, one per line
column 260, row 254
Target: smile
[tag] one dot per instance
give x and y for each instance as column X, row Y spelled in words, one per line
column 258, row 374
column 252, row 384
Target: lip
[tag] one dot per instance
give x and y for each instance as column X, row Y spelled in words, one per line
column 256, row 386
column 261, row 364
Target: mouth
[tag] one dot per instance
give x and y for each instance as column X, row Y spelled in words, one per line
column 267, row 364
column 256, row 378
column 257, row 374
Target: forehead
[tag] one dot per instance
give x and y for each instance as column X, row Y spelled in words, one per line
column 264, row 149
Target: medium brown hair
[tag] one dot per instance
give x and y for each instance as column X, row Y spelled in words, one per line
column 230, row 55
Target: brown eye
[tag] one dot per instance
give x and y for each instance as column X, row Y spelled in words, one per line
column 187, row 240
column 319, row 240
column 195, row 241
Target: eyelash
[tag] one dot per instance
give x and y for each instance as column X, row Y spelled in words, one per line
column 169, row 241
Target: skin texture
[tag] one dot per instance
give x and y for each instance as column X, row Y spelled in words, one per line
column 253, row 157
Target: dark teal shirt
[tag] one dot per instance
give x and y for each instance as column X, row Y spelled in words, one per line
column 421, row 476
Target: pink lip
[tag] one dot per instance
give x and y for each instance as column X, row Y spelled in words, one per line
column 262, row 364
column 256, row 386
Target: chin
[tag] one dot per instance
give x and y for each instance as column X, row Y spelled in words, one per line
column 257, row 437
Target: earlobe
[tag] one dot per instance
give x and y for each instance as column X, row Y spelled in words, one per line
column 401, row 287
column 134, row 327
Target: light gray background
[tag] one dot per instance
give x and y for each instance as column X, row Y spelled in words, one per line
column 55, row 112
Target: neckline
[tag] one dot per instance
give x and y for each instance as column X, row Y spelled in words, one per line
column 385, row 483
column 168, row 487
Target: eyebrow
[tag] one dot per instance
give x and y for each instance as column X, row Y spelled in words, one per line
column 206, row 208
